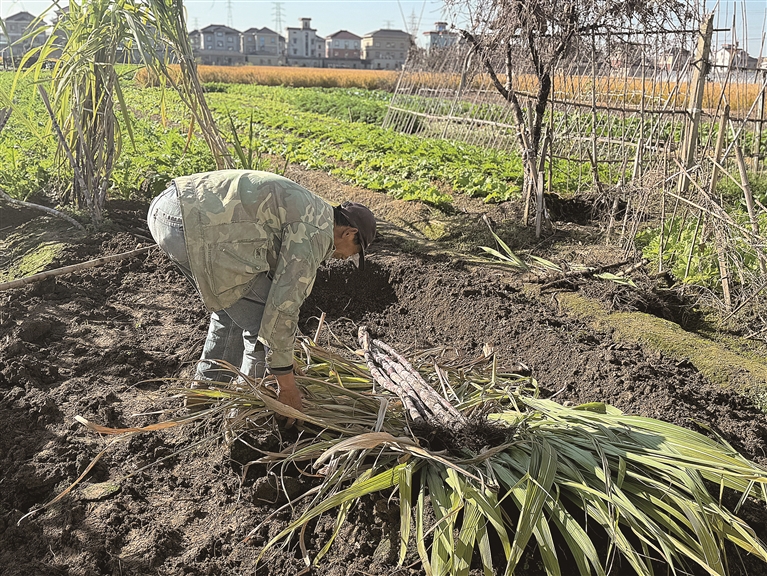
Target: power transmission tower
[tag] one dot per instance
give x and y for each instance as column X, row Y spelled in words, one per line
column 229, row 17
column 196, row 23
column 387, row 24
column 277, row 10
column 413, row 24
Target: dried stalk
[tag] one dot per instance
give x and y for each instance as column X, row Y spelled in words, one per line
column 51, row 211
column 719, row 239
column 73, row 268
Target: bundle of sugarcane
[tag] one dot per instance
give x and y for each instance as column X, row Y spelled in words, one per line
column 394, row 373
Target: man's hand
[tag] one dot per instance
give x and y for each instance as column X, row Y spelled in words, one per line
column 289, row 394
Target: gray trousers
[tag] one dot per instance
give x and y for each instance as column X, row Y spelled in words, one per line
column 233, row 332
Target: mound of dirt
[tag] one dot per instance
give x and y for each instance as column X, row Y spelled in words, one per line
column 94, row 344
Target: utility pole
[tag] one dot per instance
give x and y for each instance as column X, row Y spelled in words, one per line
column 277, row 11
column 229, row 17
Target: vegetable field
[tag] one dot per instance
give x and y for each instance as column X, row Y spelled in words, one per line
column 477, row 400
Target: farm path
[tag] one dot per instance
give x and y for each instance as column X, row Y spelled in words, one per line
column 92, row 342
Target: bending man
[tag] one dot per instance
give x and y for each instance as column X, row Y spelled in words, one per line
column 251, row 242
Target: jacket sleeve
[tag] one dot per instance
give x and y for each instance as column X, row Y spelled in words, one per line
column 302, row 251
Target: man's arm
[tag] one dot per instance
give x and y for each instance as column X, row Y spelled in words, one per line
column 303, row 248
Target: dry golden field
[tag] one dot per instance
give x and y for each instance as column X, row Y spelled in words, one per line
column 295, row 77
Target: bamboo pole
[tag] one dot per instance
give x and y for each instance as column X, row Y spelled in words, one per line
column 759, row 127
column 720, row 214
column 692, row 247
column 698, row 83
column 73, row 268
column 749, row 196
column 719, row 239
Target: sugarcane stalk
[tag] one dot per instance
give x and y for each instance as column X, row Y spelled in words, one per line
column 395, row 374
column 428, row 393
column 429, row 399
column 405, row 386
column 382, row 380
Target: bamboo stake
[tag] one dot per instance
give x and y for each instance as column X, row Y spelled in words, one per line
column 719, row 241
column 73, row 268
column 749, row 196
column 698, row 84
column 720, row 213
column 759, row 126
column 692, row 246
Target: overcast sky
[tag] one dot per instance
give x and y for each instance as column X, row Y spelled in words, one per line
column 363, row 16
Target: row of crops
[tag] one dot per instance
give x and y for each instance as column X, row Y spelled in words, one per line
column 334, row 130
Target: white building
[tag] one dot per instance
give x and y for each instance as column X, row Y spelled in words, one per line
column 304, row 42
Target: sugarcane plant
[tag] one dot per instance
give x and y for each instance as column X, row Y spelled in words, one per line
column 488, row 455
column 84, row 47
column 542, row 271
column 501, row 469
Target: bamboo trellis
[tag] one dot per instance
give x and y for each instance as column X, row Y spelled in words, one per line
column 620, row 111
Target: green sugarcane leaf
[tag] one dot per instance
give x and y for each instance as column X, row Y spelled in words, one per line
column 405, row 485
column 343, row 512
column 443, row 543
column 547, row 264
column 381, row 481
column 419, row 528
column 543, row 466
column 464, row 546
column 581, row 547
column 485, row 551
column 616, row 279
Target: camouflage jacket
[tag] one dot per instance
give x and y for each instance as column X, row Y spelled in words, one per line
column 238, row 224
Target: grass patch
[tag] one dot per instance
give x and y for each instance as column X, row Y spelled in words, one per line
column 747, row 375
column 32, row 261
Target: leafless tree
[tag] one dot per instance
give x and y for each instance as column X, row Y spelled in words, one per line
column 535, row 35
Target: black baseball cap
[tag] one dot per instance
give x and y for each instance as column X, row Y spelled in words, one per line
column 361, row 218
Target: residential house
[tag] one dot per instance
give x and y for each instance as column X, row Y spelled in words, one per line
column 220, row 46
column 386, row 49
column 263, row 46
column 730, row 55
column 13, row 41
column 441, row 37
column 195, row 40
column 342, row 50
column 305, row 47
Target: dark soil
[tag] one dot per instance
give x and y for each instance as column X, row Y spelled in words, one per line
column 91, row 343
